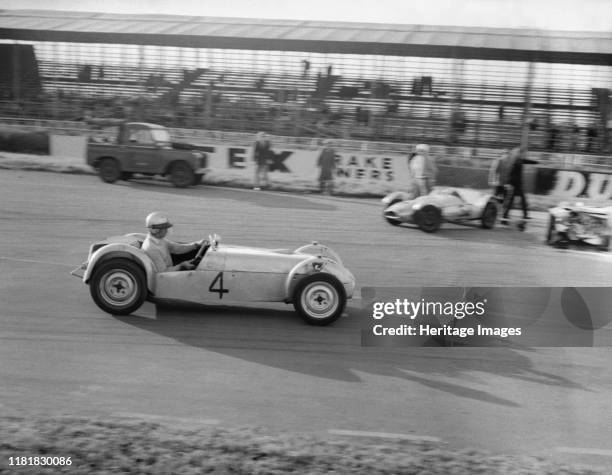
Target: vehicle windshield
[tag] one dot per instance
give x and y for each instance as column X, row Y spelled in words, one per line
column 160, row 135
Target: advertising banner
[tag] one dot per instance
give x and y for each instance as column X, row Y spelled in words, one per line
column 574, row 184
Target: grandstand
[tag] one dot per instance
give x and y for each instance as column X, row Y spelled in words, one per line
column 477, row 87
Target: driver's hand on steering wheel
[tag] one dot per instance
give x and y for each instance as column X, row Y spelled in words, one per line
column 202, row 242
column 187, row 265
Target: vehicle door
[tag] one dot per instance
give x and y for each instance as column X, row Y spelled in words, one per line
column 142, row 153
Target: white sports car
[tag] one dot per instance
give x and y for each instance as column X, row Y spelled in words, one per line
column 576, row 223
column 121, row 277
column 456, row 205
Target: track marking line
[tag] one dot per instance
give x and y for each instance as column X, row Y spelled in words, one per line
column 154, row 417
column 32, row 261
column 384, row 435
column 585, row 451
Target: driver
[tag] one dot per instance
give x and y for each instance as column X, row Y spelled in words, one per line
column 160, row 249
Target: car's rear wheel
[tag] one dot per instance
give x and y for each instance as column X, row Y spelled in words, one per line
column 319, row 299
column 181, row 175
column 109, row 170
column 428, row 218
column 118, row 286
column 489, row 215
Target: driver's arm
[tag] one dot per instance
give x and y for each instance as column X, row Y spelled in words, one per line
column 180, row 248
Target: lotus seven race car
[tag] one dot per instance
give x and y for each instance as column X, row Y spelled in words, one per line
column 121, row 277
column 455, row 205
column 579, row 224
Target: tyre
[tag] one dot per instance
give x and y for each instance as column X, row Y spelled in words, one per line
column 118, row 286
column 319, row 299
column 109, row 170
column 551, row 233
column 428, row 218
column 181, row 174
column 489, row 215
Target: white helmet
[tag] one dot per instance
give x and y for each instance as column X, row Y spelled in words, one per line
column 157, row 220
column 422, row 148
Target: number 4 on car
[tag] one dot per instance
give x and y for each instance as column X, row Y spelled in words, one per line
column 121, row 277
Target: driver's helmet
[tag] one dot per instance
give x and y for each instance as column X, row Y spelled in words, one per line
column 157, row 220
column 422, row 148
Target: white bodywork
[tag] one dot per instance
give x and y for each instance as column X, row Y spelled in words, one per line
column 589, row 224
column 227, row 274
column 455, row 204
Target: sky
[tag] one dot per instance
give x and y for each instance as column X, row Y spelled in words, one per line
column 576, row 15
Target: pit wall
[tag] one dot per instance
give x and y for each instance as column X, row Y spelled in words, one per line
column 366, row 169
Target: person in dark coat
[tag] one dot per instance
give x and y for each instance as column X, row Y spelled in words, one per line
column 261, row 155
column 327, row 164
column 515, row 181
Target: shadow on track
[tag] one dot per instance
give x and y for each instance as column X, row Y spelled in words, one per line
column 278, row 338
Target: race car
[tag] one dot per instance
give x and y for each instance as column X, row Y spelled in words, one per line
column 577, row 223
column 121, row 277
column 455, row 205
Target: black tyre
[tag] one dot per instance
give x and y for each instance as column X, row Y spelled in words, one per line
column 428, row 218
column 319, row 299
column 551, row 234
column 118, row 286
column 109, row 170
column 181, row 174
column 489, row 215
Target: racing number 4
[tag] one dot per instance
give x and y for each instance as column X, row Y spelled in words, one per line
column 220, row 290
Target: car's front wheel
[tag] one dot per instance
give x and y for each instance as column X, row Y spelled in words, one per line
column 319, row 299
column 118, row 286
column 489, row 215
column 428, row 218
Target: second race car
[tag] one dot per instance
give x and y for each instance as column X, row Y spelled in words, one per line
column 456, row 205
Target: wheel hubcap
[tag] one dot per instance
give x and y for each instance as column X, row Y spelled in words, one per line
column 320, row 299
column 118, row 288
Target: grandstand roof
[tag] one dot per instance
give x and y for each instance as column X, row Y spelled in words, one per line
column 313, row 36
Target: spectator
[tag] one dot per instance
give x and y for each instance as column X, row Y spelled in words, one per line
column 261, row 155
column 498, row 175
column 423, row 170
column 327, row 164
column 515, row 182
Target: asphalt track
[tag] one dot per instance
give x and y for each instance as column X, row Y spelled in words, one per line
column 60, row 355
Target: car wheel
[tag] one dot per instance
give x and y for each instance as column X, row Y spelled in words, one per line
column 551, row 234
column 118, row 286
column 109, row 170
column 489, row 215
column 428, row 218
column 319, row 299
column 181, row 175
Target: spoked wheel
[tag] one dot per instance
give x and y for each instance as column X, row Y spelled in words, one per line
column 489, row 215
column 118, row 286
column 428, row 219
column 109, row 170
column 319, row 299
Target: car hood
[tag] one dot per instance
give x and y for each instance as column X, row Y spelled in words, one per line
column 258, row 259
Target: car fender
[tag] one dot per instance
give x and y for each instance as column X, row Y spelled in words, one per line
column 319, row 250
column 127, row 251
column 398, row 195
column 313, row 265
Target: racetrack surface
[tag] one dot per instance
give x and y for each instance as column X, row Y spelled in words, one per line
column 59, row 354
